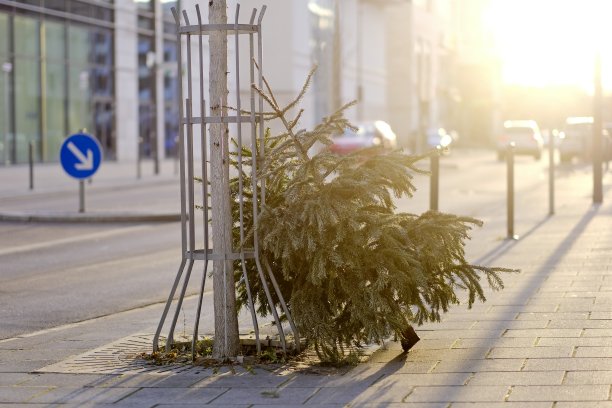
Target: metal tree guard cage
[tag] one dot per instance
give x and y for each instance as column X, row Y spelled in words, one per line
column 253, row 120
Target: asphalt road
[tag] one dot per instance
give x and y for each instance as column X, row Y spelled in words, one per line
column 53, row 274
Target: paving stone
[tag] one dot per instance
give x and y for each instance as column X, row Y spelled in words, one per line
column 517, row 378
column 603, row 352
column 601, row 315
column 261, row 379
column 425, row 344
column 560, row 393
column 530, row 352
column 500, row 342
column 323, row 381
column 511, row 324
column 580, row 324
column 416, row 367
column 567, row 364
column 359, row 394
column 271, row 396
column 448, row 354
column 486, row 365
column 547, row 308
column 397, row 405
column 463, row 393
column 175, row 395
column 574, row 342
column 598, row 333
column 470, row 317
column 199, row 405
column 79, row 405
column 584, row 404
column 464, row 334
column 502, row 405
column 80, row 395
column 64, row 380
column 543, row 333
column 588, row 377
column 146, row 380
column 424, row 379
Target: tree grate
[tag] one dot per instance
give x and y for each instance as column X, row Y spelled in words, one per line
column 119, row 357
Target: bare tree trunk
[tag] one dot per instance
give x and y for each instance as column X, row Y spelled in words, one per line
column 227, row 343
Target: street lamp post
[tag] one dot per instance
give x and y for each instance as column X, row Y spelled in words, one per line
column 597, row 134
column 7, row 67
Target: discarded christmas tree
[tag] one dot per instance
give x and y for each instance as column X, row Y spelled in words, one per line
column 351, row 268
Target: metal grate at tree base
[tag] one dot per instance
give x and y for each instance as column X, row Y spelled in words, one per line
column 190, row 72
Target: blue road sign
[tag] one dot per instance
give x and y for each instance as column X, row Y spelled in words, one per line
column 80, row 155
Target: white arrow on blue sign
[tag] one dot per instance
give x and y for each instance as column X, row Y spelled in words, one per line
column 81, row 155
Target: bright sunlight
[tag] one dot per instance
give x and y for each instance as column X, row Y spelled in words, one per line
column 551, row 42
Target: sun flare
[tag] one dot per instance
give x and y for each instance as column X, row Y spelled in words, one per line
column 550, row 42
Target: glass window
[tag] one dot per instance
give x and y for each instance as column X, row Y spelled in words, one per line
column 144, row 4
column 5, row 74
column 79, row 109
column 170, row 98
column 26, row 36
column 27, row 106
column 55, row 113
column 78, row 45
column 54, row 45
column 59, row 5
column 27, row 87
column 102, row 47
column 81, row 9
column 4, row 37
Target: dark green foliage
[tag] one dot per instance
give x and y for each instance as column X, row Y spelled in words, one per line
column 351, row 269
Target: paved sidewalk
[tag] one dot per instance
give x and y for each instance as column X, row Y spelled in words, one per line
column 55, row 196
column 544, row 341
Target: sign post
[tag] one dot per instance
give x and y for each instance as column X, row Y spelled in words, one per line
column 80, row 156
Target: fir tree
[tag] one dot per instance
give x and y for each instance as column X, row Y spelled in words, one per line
column 351, row 268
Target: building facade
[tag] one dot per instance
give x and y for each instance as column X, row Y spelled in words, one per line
column 98, row 65
column 109, row 66
column 442, row 73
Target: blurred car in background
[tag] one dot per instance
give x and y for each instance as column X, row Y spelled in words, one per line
column 526, row 136
column 368, row 134
column 575, row 139
column 440, row 137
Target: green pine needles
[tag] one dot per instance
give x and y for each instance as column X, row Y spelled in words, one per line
column 350, row 268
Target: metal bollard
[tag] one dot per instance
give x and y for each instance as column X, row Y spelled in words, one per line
column 551, row 172
column 510, row 190
column 434, row 181
column 81, row 196
column 31, row 162
column 139, row 158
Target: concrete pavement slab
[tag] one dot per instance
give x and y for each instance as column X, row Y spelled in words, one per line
column 476, row 393
column 560, row 393
column 179, row 395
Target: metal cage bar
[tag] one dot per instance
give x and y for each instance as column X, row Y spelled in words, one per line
column 254, row 119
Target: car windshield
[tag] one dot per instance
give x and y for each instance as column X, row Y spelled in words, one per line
column 519, row 130
column 579, row 129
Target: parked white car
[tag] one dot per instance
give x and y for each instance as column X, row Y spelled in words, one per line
column 526, row 136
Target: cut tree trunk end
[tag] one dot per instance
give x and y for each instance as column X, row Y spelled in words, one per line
column 408, row 339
